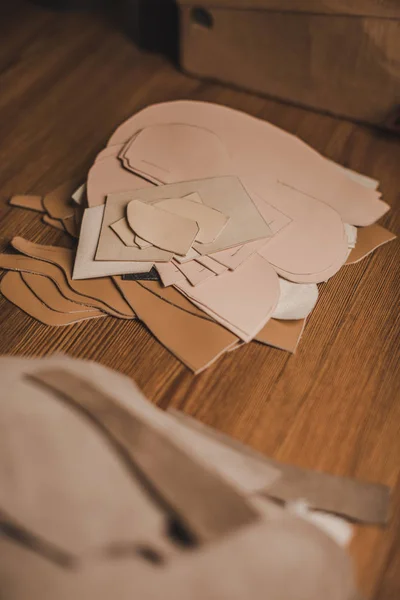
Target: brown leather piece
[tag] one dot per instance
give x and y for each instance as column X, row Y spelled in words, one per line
column 29, row 202
column 101, row 289
column 193, row 340
column 356, row 500
column 58, row 203
column 204, row 502
column 53, row 222
column 16, row 291
column 71, row 226
column 47, row 291
column 284, row 335
column 368, row 239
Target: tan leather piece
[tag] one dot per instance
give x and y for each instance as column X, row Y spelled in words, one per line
column 16, row 291
column 194, row 272
column 161, row 228
column 211, row 222
column 53, row 222
column 124, row 232
column 19, row 262
column 71, row 226
column 169, row 273
column 47, row 291
column 58, row 202
column 211, row 264
column 255, row 146
column 204, row 502
column 355, row 500
column 241, row 300
column 194, row 341
column 85, row 265
column 192, row 155
column 368, row 240
column 29, row 202
column 102, row 289
column 284, row 335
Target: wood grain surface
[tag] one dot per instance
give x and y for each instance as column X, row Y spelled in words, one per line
column 66, row 82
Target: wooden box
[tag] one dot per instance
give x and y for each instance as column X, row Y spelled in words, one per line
column 338, row 56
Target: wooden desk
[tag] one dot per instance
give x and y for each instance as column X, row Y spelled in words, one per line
column 66, row 81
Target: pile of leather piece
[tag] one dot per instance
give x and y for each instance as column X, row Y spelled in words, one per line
column 103, row 495
column 210, row 226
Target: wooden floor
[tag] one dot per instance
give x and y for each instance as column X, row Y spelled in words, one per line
column 65, row 83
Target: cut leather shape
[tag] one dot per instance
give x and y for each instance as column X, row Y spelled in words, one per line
column 163, row 229
column 241, row 300
column 313, row 245
column 80, row 194
column 58, row 202
column 284, row 335
column 211, row 264
column 107, row 177
column 191, row 255
column 368, row 240
column 255, row 146
column 225, row 194
column 175, row 152
column 169, row 274
column 194, row 272
column 124, row 232
column 71, row 227
column 48, row 293
column 61, row 477
column 85, row 266
column 296, row 301
column 196, row 495
column 355, row 500
column 16, row 291
column 211, row 222
column 53, row 223
column 152, row 275
column 29, row 202
column 234, row 257
column 102, row 289
column 141, row 243
column 193, row 340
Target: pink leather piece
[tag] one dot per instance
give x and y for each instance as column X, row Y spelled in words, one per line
column 241, row 300
column 255, row 146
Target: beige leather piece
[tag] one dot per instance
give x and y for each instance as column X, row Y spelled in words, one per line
column 241, row 300
column 284, row 335
column 19, row 262
column 47, row 291
column 16, row 291
column 193, row 340
column 102, row 290
column 62, row 479
column 169, row 274
column 85, row 266
column 313, row 242
column 30, row 202
column 79, row 196
column 141, row 243
column 191, row 255
column 161, row 228
column 234, row 257
column 194, row 272
column 53, row 223
column 175, row 152
column 211, row 222
column 124, row 232
column 58, row 203
column 355, row 500
column 368, row 240
column 255, row 146
column 211, row 264
column 206, row 504
column 108, row 176
column 225, row 194
column 109, row 151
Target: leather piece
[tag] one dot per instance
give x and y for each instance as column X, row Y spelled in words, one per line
column 194, row 341
column 102, row 289
column 355, row 500
column 241, row 300
column 162, row 228
column 169, row 273
column 211, row 264
column 284, row 335
column 58, row 203
column 29, row 202
column 71, row 226
column 16, row 291
column 48, row 293
column 194, row 272
column 368, row 240
column 255, row 146
column 124, row 232
column 85, row 265
column 53, row 222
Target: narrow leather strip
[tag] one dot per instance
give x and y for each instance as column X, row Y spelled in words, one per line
column 29, row 202
column 53, row 222
column 58, row 203
column 208, row 505
column 368, row 239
